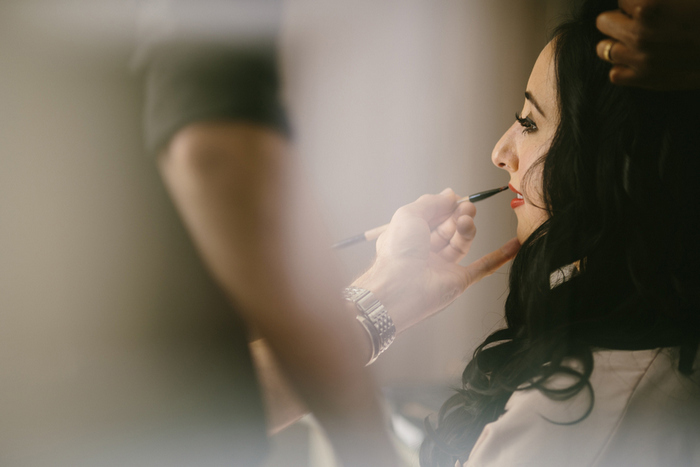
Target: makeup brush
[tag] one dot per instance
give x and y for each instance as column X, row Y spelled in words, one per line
column 372, row 234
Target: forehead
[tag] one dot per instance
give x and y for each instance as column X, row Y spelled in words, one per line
column 542, row 82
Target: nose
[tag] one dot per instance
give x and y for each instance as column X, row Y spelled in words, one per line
column 504, row 155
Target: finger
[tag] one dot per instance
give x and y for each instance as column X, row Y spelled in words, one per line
column 656, row 81
column 626, row 76
column 604, row 49
column 488, row 264
column 441, row 235
column 409, row 232
column 467, row 208
column 618, row 26
column 601, row 49
column 628, row 6
column 432, row 208
column 623, row 75
column 620, row 54
column 461, row 241
column 641, row 10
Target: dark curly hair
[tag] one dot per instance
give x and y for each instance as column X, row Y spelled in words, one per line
column 618, row 185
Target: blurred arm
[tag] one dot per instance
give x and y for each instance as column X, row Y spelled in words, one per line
column 242, row 199
column 282, row 404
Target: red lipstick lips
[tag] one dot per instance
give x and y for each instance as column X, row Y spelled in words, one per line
column 518, row 200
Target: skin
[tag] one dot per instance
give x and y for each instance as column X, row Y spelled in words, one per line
column 656, row 43
column 525, row 142
column 417, row 270
column 241, row 196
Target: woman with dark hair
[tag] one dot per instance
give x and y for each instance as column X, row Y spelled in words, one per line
column 595, row 364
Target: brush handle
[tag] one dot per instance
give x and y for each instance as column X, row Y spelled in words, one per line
column 374, row 233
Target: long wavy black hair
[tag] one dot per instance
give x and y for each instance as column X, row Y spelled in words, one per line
column 619, row 185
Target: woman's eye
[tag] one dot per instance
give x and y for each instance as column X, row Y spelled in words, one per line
column 526, row 122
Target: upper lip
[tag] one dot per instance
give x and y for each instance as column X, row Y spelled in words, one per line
column 513, row 189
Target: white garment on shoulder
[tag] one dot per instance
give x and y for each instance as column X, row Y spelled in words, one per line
column 645, row 413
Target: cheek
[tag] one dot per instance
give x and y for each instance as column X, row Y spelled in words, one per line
column 531, row 172
column 531, row 152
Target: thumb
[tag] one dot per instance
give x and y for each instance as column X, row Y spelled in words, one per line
column 487, row 265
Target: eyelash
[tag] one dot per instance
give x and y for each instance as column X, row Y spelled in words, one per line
column 527, row 123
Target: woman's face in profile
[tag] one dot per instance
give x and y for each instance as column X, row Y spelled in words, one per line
column 527, row 140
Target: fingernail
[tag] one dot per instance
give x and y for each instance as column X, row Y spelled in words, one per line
column 446, row 191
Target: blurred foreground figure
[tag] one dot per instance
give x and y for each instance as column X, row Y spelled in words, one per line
column 216, row 123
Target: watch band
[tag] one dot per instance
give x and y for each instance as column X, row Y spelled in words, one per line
column 374, row 318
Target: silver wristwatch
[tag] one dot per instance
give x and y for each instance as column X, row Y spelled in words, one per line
column 373, row 317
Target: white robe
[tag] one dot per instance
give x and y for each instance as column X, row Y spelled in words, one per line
column 645, row 414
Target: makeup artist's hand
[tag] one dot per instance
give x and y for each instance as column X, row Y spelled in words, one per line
column 416, row 272
column 655, row 43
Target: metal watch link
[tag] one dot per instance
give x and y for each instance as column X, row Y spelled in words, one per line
column 373, row 317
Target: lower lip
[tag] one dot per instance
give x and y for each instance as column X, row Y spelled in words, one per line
column 516, row 202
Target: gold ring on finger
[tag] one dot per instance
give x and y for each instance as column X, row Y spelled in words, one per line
column 606, row 51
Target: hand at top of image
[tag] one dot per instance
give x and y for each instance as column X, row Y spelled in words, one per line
column 652, row 44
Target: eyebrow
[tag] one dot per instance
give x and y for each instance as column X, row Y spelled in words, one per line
column 529, row 97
